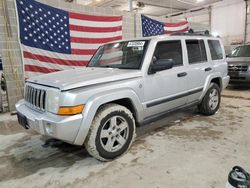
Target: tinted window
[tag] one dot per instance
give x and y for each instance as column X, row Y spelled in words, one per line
column 169, row 50
column 215, row 49
column 196, row 51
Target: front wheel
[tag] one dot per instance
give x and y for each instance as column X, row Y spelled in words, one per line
column 111, row 133
column 211, row 101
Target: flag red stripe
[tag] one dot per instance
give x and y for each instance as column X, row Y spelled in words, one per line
column 175, row 24
column 111, row 60
column 109, row 51
column 47, row 59
column 94, row 40
column 82, row 51
column 95, row 18
column 34, row 68
column 182, row 30
column 94, row 29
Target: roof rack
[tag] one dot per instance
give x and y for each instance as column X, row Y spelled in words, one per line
column 191, row 32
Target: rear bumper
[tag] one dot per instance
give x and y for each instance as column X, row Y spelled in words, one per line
column 60, row 127
column 225, row 81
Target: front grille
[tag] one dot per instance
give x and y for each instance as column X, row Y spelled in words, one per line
column 35, row 97
column 237, row 68
column 237, row 78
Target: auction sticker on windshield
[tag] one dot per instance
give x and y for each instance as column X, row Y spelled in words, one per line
column 136, row 43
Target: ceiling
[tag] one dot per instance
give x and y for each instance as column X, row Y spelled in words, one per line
column 150, row 7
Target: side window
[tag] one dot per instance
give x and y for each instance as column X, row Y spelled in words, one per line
column 196, row 51
column 215, row 49
column 169, row 50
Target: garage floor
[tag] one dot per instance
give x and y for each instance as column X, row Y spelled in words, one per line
column 184, row 150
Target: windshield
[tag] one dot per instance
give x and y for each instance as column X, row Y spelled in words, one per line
column 241, row 51
column 122, row 55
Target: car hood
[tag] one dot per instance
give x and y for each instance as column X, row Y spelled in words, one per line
column 238, row 60
column 81, row 77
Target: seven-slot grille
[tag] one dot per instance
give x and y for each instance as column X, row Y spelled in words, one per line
column 237, row 68
column 36, row 97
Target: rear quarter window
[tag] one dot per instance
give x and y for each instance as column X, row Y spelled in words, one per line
column 196, row 51
column 215, row 49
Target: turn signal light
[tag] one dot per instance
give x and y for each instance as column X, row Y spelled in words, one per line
column 70, row 110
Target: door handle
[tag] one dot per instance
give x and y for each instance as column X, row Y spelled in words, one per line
column 208, row 69
column 182, row 74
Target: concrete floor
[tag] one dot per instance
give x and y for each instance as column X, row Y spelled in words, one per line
column 184, row 150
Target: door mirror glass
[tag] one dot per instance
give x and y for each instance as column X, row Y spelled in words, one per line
column 160, row 65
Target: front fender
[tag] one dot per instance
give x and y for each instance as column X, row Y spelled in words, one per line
column 99, row 99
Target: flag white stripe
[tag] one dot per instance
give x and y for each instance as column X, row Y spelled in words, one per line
column 93, row 23
column 81, row 34
column 29, row 74
column 84, row 46
column 49, row 65
column 56, row 55
column 176, row 28
column 111, row 55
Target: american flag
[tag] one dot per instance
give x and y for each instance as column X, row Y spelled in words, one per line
column 151, row 27
column 53, row 39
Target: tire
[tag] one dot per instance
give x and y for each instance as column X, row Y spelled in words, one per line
column 112, row 132
column 211, row 101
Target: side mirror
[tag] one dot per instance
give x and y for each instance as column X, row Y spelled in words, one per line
column 160, row 65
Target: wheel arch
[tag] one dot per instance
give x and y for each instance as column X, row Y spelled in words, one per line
column 213, row 78
column 126, row 97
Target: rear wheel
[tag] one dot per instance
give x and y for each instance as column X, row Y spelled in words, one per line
column 112, row 132
column 211, row 101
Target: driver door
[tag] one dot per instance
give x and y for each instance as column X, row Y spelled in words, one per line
column 165, row 90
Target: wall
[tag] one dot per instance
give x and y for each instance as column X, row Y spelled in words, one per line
column 9, row 46
column 11, row 56
column 228, row 21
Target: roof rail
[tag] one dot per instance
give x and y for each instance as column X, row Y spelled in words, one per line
column 191, row 32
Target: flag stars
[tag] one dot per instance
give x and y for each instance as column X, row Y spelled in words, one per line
column 45, row 28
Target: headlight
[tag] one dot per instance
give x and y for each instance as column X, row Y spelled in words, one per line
column 53, row 96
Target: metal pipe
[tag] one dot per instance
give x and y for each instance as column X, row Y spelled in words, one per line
column 130, row 5
column 245, row 32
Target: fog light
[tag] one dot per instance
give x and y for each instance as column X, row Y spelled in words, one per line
column 49, row 129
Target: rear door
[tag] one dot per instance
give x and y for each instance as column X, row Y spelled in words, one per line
column 199, row 67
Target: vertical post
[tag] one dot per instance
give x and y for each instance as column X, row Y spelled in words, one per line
column 210, row 18
column 245, row 32
column 130, row 5
column 130, row 8
column 135, row 25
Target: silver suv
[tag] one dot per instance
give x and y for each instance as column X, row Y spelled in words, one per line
column 126, row 83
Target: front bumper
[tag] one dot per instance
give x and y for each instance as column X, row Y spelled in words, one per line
column 60, row 127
